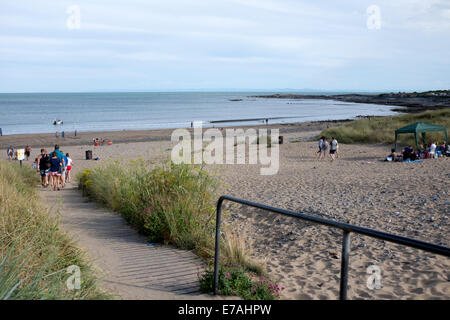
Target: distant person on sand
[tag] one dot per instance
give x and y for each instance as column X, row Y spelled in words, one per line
column 69, row 167
column 10, row 152
column 55, row 170
column 44, row 167
column 324, row 148
column 34, row 165
column 27, row 151
column 432, row 150
column 333, row 147
column 320, row 146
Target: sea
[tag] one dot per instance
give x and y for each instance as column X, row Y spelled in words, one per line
column 27, row 113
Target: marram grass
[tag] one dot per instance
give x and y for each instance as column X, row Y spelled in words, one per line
column 173, row 204
column 382, row 129
column 34, row 252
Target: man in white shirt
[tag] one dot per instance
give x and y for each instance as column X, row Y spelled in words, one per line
column 432, row 151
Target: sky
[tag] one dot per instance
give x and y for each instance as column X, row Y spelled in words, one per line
column 220, row 45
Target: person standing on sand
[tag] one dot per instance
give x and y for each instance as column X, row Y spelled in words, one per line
column 324, row 148
column 10, row 152
column 27, row 151
column 55, row 170
column 432, row 150
column 333, row 148
column 34, row 165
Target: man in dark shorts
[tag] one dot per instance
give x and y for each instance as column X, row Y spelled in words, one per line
column 44, row 167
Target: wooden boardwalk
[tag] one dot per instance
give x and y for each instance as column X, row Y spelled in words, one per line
column 129, row 267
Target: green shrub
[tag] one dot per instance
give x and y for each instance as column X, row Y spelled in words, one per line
column 235, row 280
column 171, row 203
column 174, row 204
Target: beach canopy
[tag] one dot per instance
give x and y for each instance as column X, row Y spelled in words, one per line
column 420, row 128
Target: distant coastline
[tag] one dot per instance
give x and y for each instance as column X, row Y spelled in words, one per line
column 84, row 112
column 414, row 101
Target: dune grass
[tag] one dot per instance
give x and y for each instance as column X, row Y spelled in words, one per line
column 381, row 130
column 171, row 204
column 34, row 252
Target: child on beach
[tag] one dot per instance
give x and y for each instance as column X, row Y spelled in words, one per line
column 432, row 150
column 55, row 170
column 69, row 167
column 35, row 164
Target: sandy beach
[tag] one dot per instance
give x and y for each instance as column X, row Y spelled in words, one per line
column 408, row 199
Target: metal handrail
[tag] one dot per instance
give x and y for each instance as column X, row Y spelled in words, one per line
column 347, row 229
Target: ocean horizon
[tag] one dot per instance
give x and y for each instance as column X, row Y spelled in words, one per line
column 29, row 113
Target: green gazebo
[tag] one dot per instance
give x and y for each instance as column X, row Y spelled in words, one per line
column 420, row 128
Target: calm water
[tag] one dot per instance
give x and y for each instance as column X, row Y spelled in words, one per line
column 35, row 113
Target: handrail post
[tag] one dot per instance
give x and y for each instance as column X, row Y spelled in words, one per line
column 344, row 265
column 217, row 247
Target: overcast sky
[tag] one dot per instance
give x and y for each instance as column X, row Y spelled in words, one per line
column 225, row 44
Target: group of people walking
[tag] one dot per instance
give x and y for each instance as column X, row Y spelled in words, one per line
column 54, row 168
column 323, row 147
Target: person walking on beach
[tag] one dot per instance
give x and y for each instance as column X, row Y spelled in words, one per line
column 61, row 157
column 323, row 148
column 333, row 148
column 320, row 147
column 55, row 170
column 27, row 151
column 64, row 171
column 44, row 167
column 69, row 167
column 10, row 152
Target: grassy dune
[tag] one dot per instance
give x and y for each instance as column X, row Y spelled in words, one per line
column 381, row 130
column 34, row 252
column 175, row 204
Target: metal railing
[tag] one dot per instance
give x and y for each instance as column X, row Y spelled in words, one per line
column 347, row 229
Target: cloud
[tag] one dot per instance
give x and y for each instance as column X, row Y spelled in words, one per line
column 227, row 43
